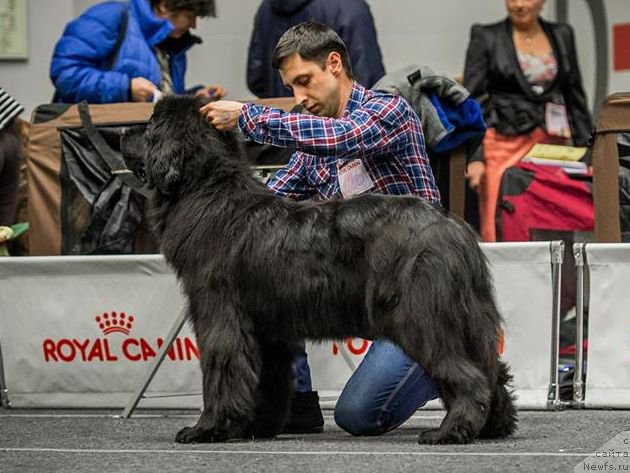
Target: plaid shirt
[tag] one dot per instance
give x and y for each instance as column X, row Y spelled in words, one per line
column 380, row 129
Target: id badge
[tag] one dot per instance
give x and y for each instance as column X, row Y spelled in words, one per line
column 556, row 120
column 354, row 179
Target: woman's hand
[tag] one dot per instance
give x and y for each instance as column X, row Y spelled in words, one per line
column 142, row 89
column 474, row 173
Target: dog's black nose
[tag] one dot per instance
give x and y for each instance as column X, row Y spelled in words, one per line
column 141, row 173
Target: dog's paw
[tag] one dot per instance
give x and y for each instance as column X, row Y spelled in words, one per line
column 439, row 437
column 198, row 434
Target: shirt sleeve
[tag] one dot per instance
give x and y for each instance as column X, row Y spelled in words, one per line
column 76, row 65
column 370, row 130
column 290, row 180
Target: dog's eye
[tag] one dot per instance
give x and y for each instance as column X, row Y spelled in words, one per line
column 141, row 172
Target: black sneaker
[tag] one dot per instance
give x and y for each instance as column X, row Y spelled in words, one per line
column 305, row 416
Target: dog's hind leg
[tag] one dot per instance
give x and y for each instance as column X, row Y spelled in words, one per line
column 463, row 387
column 426, row 322
column 466, row 395
column 230, row 361
column 275, row 390
column 502, row 418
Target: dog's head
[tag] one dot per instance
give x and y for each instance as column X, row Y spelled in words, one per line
column 132, row 149
column 181, row 147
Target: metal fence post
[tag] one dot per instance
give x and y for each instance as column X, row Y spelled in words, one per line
column 579, row 253
column 557, row 257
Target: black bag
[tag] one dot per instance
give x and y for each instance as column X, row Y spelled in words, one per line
column 102, row 197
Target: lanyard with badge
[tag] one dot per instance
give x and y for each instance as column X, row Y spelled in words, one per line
column 556, row 120
column 353, row 178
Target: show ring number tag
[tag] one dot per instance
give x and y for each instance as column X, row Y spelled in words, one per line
column 354, row 179
column 556, row 120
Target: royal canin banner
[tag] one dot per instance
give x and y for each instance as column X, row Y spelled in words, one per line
column 81, row 331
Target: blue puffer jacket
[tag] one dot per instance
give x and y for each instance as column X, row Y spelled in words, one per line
column 350, row 19
column 81, row 66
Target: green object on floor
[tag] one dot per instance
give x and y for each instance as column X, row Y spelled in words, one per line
column 18, row 229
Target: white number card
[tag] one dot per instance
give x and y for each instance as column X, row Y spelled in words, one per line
column 354, row 179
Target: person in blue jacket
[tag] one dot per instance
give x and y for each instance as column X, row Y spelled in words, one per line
column 128, row 51
column 350, row 19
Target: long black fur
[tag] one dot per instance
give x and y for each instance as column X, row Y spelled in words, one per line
column 262, row 272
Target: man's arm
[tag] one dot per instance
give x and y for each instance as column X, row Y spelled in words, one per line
column 380, row 125
column 74, row 68
column 257, row 61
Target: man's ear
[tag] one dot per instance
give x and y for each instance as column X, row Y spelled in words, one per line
column 334, row 63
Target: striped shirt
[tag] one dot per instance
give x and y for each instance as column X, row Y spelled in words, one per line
column 380, row 129
column 9, row 108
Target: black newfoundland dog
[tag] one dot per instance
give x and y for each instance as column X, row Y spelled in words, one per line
column 262, row 272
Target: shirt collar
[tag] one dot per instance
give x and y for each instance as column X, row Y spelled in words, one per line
column 356, row 98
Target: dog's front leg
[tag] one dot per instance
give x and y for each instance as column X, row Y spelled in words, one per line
column 275, row 390
column 230, row 365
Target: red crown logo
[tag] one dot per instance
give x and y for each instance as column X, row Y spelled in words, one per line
column 114, row 322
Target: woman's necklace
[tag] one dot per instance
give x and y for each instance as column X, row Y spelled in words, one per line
column 527, row 39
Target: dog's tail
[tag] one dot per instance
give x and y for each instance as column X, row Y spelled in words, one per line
column 502, row 419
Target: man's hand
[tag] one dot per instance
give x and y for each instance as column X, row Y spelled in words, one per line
column 474, row 173
column 223, row 114
column 213, row 92
column 142, row 89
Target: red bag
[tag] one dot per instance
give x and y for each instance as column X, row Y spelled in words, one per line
column 537, row 197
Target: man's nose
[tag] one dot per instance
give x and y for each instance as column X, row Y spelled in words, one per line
column 300, row 97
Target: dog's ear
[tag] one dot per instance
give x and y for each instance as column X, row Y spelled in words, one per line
column 164, row 158
column 166, row 173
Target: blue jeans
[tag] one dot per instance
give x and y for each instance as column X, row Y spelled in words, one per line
column 383, row 392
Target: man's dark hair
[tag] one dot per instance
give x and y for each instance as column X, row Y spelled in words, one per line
column 313, row 42
column 201, row 8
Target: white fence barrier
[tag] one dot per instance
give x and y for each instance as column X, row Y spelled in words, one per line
column 79, row 331
column 83, row 331
column 608, row 359
column 527, row 283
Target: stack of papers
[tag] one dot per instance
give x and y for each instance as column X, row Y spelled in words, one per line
column 565, row 157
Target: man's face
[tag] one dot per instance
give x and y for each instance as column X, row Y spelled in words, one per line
column 314, row 88
column 182, row 20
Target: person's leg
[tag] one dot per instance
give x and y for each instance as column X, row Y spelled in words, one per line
column 9, row 174
column 305, row 415
column 384, row 391
column 302, row 371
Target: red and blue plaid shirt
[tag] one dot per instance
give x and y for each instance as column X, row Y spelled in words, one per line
column 382, row 130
